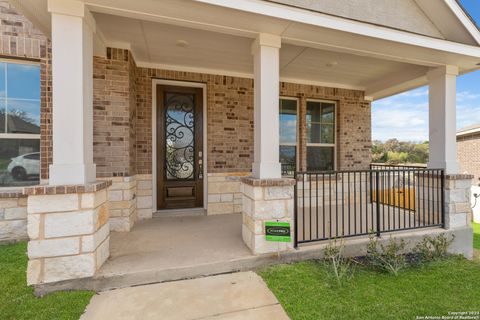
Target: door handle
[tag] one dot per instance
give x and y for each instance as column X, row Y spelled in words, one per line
column 200, row 169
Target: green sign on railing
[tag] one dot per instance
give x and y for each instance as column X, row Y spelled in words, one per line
column 277, row 231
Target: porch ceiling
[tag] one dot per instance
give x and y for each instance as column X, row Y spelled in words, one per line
column 156, row 44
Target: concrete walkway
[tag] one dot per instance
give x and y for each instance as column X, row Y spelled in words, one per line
column 241, row 295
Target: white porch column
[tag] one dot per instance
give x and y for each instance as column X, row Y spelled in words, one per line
column 442, row 119
column 72, row 68
column 266, row 52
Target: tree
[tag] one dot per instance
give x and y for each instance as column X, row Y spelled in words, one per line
column 396, row 152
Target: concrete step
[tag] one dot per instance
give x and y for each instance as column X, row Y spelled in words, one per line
column 167, row 213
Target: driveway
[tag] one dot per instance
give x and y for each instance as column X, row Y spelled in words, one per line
column 241, row 295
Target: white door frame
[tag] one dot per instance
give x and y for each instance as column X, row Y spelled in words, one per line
column 201, row 85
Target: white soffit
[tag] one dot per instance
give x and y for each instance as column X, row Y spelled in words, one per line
column 155, row 45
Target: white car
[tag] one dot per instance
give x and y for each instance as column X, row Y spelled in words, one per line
column 25, row 165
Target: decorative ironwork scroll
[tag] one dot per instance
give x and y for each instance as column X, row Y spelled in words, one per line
column 180, row 136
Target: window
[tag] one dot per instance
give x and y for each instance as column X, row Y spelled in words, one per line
column 19, row 124
column 320, row 120
column 288, row 135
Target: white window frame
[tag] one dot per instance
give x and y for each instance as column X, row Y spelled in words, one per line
column 334, row 144
column 297, row 143
column 24, row 136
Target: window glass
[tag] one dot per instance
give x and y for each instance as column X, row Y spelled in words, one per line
column 288, row 121
column 288, row 159
column 328, row 113
column 320, row 122
column 288, row 136
column 23, row 116
column 19, row 124
column 19, row 162
column 23, row 81
column 320, row 158
column 2, row 79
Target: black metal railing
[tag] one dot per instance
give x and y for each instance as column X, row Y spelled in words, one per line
column 340, row 204
column 387, row 166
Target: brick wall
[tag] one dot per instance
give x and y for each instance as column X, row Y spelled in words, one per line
column 230, row 119
column 114, row 111
column 19, row 39
column 468, row 154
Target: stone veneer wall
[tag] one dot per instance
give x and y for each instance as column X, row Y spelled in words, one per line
column 130, row 200
column 224, row 192
column 13, row 217
column 122, row 203
column 144, row 196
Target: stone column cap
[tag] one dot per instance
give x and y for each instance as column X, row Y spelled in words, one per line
column 66, row 189
column 278, row 182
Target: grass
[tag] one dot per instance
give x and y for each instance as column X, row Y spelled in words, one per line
column 307, row 291
column 476, row 236
column 17, row 300
column 4, row 164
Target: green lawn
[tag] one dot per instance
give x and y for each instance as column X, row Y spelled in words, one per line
column 4, row 164
column 307, row 291
column 476, row 235
column 17, row 300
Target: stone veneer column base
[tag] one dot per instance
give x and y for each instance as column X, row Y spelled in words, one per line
column 458, row 211
column 266, row 200
column 69, row 231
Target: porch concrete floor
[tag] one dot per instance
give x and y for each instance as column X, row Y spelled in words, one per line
column 170, row 244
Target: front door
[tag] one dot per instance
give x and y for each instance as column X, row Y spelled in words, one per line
column 179, row 147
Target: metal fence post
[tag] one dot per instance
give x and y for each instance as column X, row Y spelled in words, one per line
column 377, row 198
column 442, row 178
column 295, row 207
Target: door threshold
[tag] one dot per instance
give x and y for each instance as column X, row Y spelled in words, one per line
column 180, row 212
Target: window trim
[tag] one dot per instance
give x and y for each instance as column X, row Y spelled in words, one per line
column 314, row 144
column 297, row 140
column 24, row 136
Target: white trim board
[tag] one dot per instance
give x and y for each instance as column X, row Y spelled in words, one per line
column 221, row 72
column 203, row 86
column 342, row 24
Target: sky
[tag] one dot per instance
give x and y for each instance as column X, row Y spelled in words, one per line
column 405, row 116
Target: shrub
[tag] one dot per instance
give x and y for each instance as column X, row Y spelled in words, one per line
column 387, row 258
column 430, row 249
column 337, row 263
